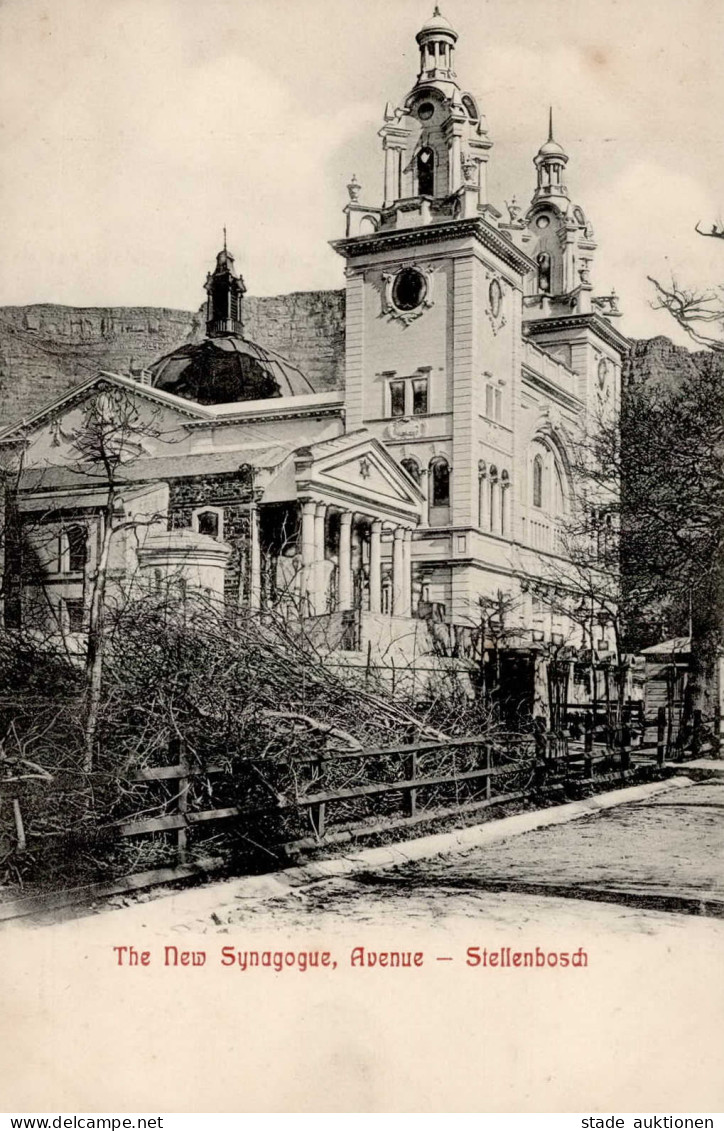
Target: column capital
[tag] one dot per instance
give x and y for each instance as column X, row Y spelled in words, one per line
column 308, row 506
column 399, row 532
column 346, row 517
column 376, row 525
column 321, row 508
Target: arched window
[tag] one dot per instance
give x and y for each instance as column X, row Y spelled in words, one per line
column 426, row 172
column 504, row 485
column 412, row 468
column 492, row 495
column 538, row 481
column 544, row 272
column 440, row 482
column 208, row 520
column 74, row 549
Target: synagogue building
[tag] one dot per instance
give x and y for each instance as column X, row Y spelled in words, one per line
column 477, row 353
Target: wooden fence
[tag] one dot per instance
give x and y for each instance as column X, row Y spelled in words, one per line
column 329, row 797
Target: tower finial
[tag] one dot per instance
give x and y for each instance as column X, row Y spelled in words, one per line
column 550, row 123
column 224, row 237
column 436, row 10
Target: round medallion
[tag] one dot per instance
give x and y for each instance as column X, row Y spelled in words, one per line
column 409, row 289
column 425, row 111
column 602, row 372
column 495, row 297
column 543, row 221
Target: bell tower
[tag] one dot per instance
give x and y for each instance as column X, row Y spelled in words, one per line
column 433, row 318
column 435, row 143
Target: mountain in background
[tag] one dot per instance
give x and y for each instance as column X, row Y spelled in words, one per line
column 47, row 349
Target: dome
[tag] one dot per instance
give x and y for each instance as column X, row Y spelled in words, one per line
column 551, row 148
column 436, row 23
column 226, row 369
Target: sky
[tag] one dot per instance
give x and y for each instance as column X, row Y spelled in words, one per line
column 132, row 131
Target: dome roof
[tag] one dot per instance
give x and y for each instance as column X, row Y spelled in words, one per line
column 226, row 369
column 437, row 22
column 551, row 148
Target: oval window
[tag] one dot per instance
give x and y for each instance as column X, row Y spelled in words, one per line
column 495, row 297
column 425, row 111
column 409, row 289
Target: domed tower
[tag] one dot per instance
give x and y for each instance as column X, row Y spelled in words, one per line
column 226, row 367
column 563, row 244
column 435, row 144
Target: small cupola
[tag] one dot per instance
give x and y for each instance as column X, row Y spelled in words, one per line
column 550, row 162
column 436, row 40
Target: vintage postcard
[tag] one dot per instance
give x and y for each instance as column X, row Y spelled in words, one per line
column 362, row 559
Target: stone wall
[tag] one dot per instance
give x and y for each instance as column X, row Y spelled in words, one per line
column 46, row 350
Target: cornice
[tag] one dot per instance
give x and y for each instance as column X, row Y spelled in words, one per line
column 479, row 229
column 594, row 322
column 570, row 400
column 254, row 418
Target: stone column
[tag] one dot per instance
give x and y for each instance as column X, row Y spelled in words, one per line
column 318, row 597
column 254, row 559
column 398, row 572
column 375, row 567
column 456, row 174
column 482, row 492
column 345, row 560
column 308, row 509
column 392, row 172
column 407, row 594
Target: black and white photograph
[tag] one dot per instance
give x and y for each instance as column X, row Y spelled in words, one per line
column 362, row 558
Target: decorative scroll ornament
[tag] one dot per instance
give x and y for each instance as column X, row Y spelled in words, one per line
column 408, row 292
column 495, row 302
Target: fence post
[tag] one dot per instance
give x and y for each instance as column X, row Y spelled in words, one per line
column 182, row 801
column 19, row 826
column 625, row 749
column 488, row 751
column 318, row 812
column 661, row 736
column 696, row 734
column 588, row 745
column 541, row 762
column 410, row 795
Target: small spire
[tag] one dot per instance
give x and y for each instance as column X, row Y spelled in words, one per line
column 550, row 123
column 436, row 10
column 224, row 237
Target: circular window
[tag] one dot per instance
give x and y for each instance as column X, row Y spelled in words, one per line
column 425, row 111
column 543, row 221
column 495, row 297
column 409, row 289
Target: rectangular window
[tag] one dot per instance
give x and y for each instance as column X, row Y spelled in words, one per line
column 419, row 396
column 74, row 609
column 397, row 398
column 498, row 404
column 489, row 401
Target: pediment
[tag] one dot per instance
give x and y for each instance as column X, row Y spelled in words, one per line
column 358, row 470
column 53, row 436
